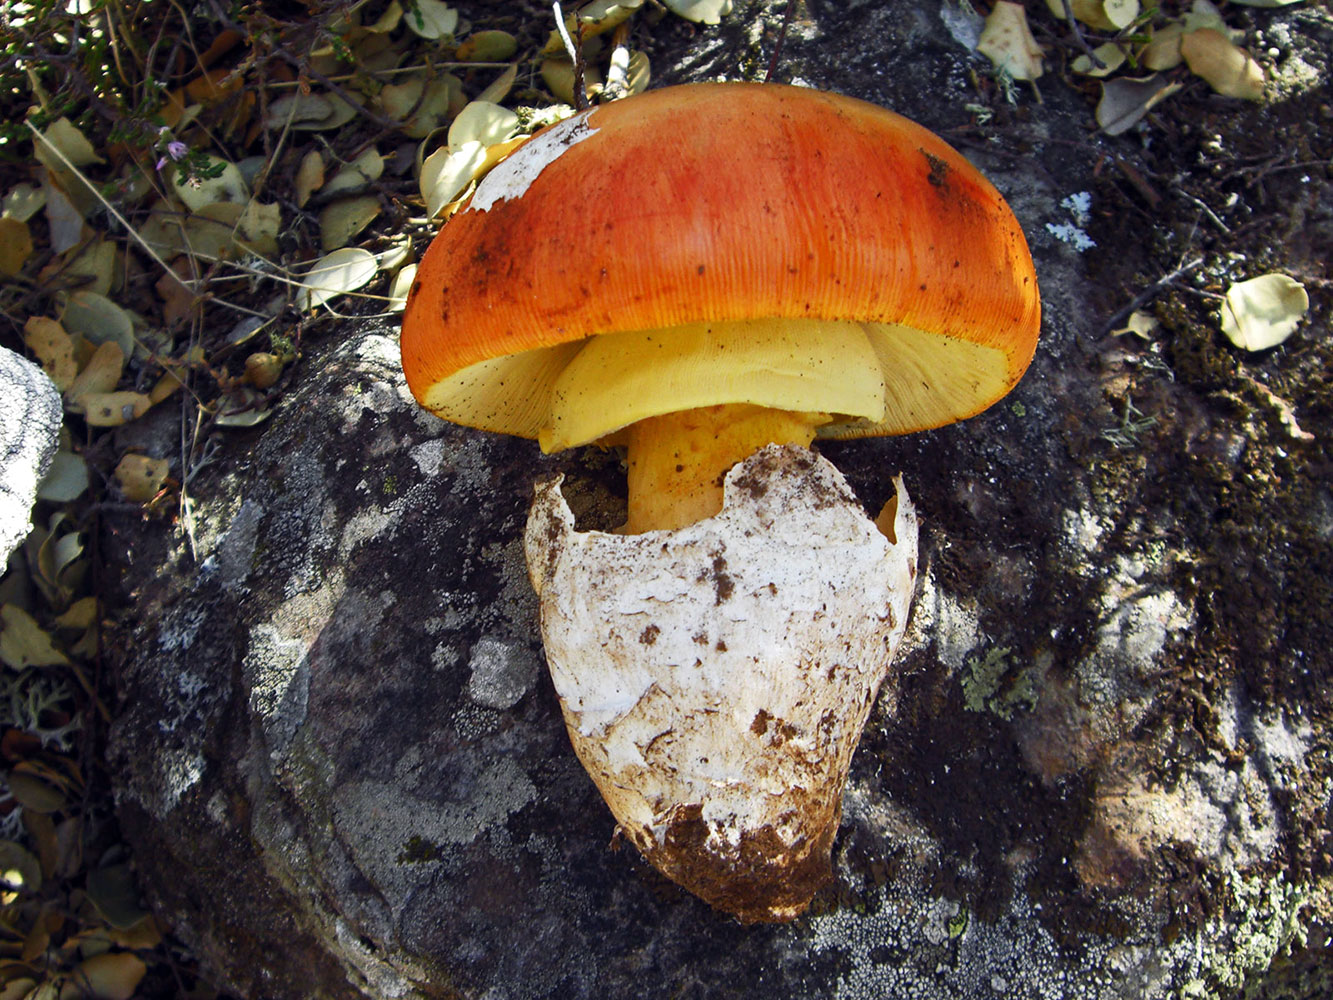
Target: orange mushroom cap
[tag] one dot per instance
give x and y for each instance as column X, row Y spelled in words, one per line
column 704, row 206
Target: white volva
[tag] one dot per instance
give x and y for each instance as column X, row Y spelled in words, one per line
column 715, row 679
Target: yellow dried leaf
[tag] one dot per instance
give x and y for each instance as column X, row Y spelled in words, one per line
column 1229, row 69
column 113, row 975
column 309, row 176
column 596, row 18
column 701, row 11
column 1104, row 15
column 558, row 75
column 447, row 171
column 172, row 380
column 1007, row 41
column 1263, row 312
column 81, row 614
column 101, row 374
column 1140, row 324
column 23, row 201
column 140, row 478
column 1163, row 49
column 388, row 20
column 72, row 144
column 53, row 349
column 1112, row 57
column 483, row 122
column 111, row 409
column 15, row 245
column 487, row 46
column 24, row 644
column 96, row 262
column 258, row 225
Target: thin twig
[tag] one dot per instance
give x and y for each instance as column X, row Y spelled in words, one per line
column 575, row 55
column 1078, row 37
column 1203, row 207
column 787, row 14
column 1147, row 295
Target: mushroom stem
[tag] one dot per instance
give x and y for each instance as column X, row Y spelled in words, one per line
column 677, row 460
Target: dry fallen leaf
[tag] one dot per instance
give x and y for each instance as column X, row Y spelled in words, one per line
column 80, row 615
column 180, row 303
column 1229, row 69
column 98, row 319
column 590, row 20
column 447, row 172
column 431, row 19
column 1007, row 41
column 53, row 349
column 24, row 644
column 356, row 175
column 23, row 201
column 227, row 186
column 66, row 479
column 112, row 975
column 62, row 215
column 71, row 143
column 701, row 11
column 1104, row 15
column 95, row 261
column 111, row 409
column 1112, row 57
column 309, row 176
column 336, row 274
column 1124, row 102
column 499, row 88
column 101, row 373
column 343, row 219
column 487, row 46
column 400, row 286
column 430, row 104
column 1140, row 324
column 1163, row 49
column 481, row 121
column 558, row 75
column 140, row 478
column 15, row 246
column 1262, row 312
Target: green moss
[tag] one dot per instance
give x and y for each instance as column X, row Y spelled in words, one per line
column 1197, row 353
column 957, row 924
column 418, row 850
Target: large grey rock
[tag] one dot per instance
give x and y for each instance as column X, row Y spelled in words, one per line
column 1106, row 771
column 30, row 415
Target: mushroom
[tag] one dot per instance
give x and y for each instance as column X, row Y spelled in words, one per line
column 712, row 276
